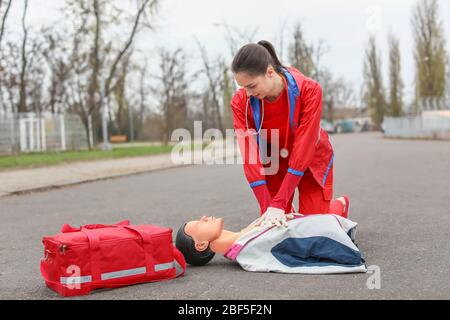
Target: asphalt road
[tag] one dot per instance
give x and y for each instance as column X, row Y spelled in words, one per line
column 399, row 192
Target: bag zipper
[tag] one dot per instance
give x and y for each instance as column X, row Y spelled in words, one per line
column 62, row 247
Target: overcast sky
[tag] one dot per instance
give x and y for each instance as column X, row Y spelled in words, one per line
column 344, row 26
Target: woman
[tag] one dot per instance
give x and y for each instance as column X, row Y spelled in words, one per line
column 281, row 99
column 310, row 244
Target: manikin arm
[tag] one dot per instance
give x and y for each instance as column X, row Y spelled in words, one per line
column 251, row 226
column 256, row 224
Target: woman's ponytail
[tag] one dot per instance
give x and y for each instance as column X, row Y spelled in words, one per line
column 277, row 63
column 254, row 59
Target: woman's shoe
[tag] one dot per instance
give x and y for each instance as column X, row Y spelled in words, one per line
column 347, row 205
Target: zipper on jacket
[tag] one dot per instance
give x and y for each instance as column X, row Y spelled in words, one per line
column 62, row 249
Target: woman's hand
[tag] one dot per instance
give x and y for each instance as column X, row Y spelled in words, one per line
column 275, row 217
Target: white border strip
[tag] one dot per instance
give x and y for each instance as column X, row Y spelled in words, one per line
column 122, row 273
column 164, row 266
column 75, row 280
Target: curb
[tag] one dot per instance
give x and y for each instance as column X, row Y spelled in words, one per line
column 82, row 181
column 79, row 173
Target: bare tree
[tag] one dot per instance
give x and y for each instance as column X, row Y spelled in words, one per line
column 9, row 76
column 429, row 53
column 395, row 79
column 56, row 55
column 122, row 113
column 80, row 63
column 172, row 91
column 300, row 53
column 24, row 74
column 92, row 19
column 4, row 16
column 336, row 93
column 305, row 56
column 142, row 102
column 374, row 92
column 145, row 7
column 227, row 87
column 214, row 76
column 237, row 37
column 280, row 38
column 447, row 81
column 36, row 73
column 94, row 62
column 22, row 107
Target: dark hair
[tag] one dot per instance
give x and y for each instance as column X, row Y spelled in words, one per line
column 186, row 245
column 254, row 58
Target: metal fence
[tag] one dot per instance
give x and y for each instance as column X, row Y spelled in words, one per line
column 30, row 132
column 434, row 127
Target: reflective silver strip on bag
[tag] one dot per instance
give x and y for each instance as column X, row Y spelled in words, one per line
column 164, row 266
column 179, row 268
column 122, row 273
column 75, row 280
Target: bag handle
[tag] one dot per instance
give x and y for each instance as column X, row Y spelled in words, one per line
column 147, row 246
column 68, row 228
column 94, row 244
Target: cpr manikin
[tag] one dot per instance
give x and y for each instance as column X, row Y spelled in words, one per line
column 302, row 246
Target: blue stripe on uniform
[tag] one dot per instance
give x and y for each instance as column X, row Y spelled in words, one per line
column 328, row 170
column 257, row 183
column 256, row 112
column 293, row 94
column 296, row 172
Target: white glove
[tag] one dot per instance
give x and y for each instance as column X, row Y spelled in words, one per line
column 275, row 217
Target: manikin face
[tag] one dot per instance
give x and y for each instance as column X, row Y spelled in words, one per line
column 260, row 86
column 204, row 231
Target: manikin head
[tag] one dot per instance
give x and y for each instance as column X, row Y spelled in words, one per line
column 194, row 238
column 256, row 68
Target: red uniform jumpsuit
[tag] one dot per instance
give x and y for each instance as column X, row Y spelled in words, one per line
column 310, row 163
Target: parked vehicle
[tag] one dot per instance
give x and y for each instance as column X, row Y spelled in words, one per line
column 327, row 126
column 343, row 126
column 362, row 124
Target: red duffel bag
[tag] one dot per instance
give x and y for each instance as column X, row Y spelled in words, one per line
column 79, row 260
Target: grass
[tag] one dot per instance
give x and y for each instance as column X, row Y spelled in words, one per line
column 40, row 159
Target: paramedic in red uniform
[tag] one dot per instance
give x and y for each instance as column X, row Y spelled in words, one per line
column 276, row 97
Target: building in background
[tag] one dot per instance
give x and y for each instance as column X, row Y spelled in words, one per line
column 429, row 123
